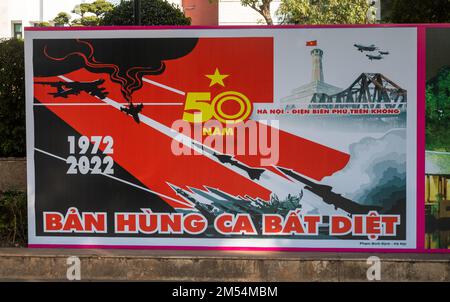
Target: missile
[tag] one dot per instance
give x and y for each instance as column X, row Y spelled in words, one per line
column 253, row 173
column 328, row 196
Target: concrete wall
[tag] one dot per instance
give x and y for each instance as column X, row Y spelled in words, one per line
column 153, row 265
column 13, row 174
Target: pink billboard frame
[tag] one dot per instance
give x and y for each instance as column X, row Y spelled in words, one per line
column 421, row 78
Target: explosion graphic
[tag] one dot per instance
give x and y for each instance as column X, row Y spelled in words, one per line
column 125, row 60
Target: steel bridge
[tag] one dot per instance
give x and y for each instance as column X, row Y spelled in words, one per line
column 368, row 91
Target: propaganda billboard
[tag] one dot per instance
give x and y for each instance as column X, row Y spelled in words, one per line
column 256, row 138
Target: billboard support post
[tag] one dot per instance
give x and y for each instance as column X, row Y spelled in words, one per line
column 137, row 12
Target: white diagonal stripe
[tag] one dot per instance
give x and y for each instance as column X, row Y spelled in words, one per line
column 116, row 178
column 164, row 86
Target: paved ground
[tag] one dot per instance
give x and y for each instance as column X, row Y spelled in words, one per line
column 152, row 265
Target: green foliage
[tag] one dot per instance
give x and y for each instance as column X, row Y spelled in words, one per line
column 100, row 7
column 12, row 98
column 326, row 12
column 154, row 12
column 102, row 12
column 82, row 9
column 96, row 10
column 260, row 6
column 62, row 19
column 43, row 24
column 89, row 21
column 76, row 22
column 432, row 209
column 438, row 111
column 416, row 11
column 13, row 218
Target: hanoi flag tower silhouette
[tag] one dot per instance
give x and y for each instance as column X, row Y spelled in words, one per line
column 304, row 93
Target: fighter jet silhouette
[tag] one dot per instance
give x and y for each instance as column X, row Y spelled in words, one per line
column 385, row 53
column 64, row 89
column 374, row 57
column 133, row 111
column 362, row 48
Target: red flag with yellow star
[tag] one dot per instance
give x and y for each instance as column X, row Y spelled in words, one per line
column 239, row 64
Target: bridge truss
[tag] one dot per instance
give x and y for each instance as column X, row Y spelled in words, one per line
column 368, row 91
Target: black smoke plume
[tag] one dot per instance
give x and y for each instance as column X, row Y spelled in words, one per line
column 125, row 60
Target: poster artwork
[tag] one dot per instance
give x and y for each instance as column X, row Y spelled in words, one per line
column 253, row 138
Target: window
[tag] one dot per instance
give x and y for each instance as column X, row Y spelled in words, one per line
column 17, row 30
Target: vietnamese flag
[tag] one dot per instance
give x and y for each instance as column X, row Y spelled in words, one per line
column 311, row 43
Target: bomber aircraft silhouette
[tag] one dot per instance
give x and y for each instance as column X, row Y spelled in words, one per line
column 64, row 89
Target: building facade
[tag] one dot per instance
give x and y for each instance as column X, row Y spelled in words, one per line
column 437, row 199
column 437, row 184
column 232, row 12
column 223, row 12
column 17, row 14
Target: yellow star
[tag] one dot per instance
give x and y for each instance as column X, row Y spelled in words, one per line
column 216, row 78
